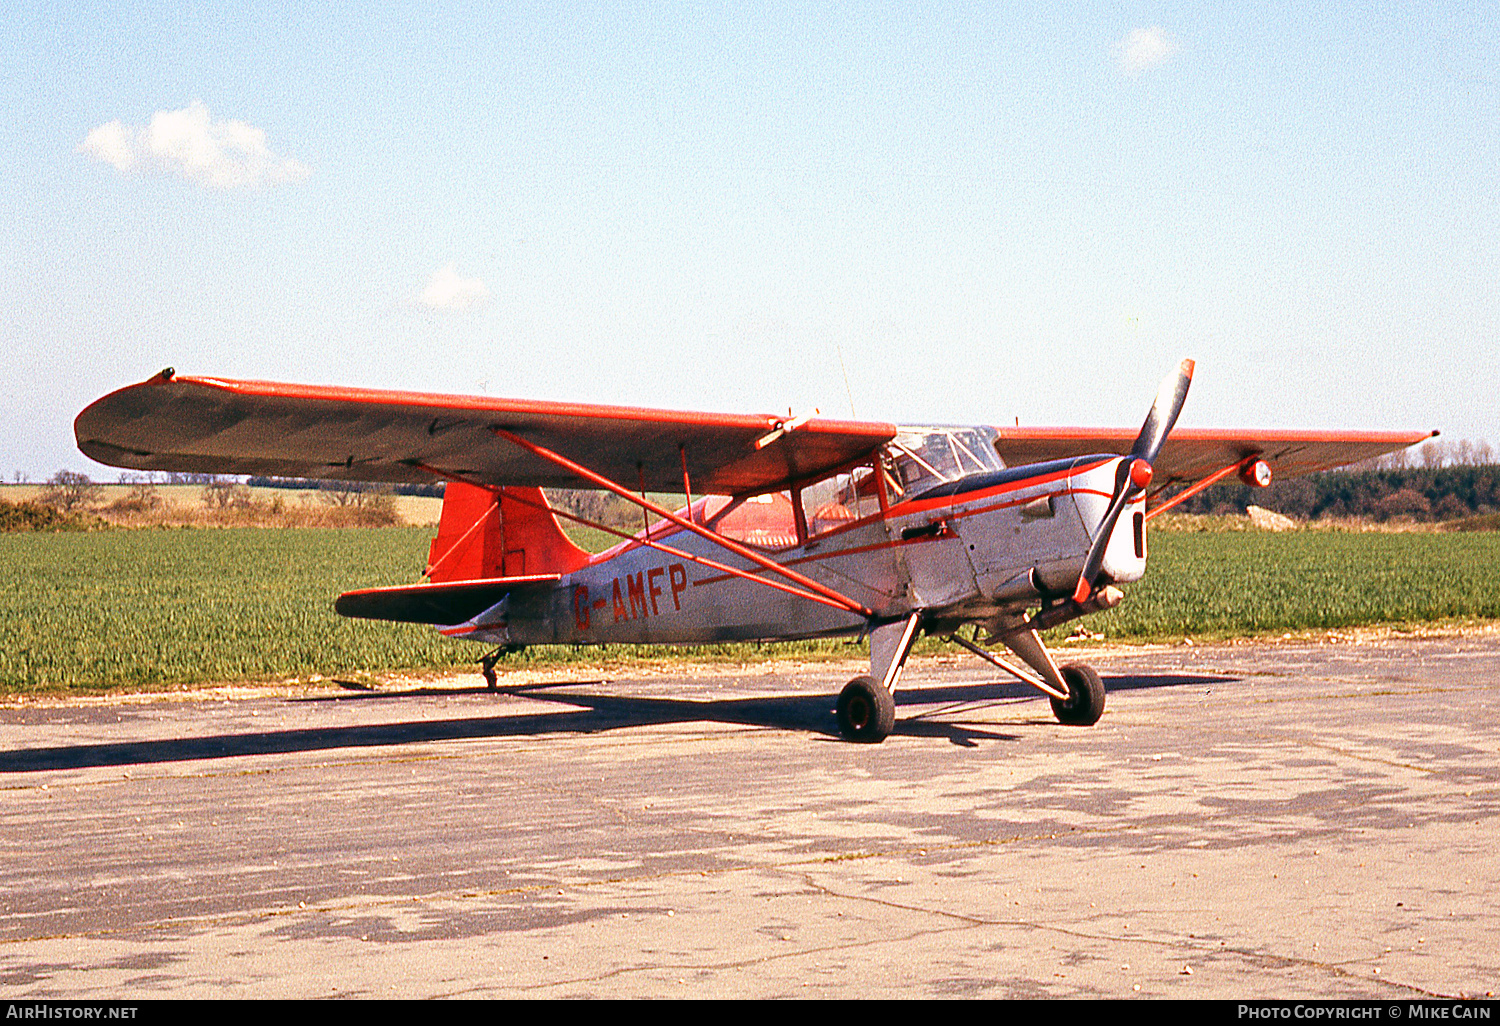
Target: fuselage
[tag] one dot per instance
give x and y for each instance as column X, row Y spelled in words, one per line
column 967, row 548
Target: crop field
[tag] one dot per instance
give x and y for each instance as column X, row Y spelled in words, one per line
column 158, row 607
column 1232, row 584
column 153, row 608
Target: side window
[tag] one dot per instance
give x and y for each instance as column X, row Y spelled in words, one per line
column 839, row 500
column 765, row 521
column 891, row 464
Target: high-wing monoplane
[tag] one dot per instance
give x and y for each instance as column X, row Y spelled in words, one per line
column 794, row 527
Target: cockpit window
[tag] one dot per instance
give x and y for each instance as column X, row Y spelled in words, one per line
column 916, row 461
column 764, row 521
column 840, row 500
column 921, row 457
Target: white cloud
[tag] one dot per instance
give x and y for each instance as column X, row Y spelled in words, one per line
column 1144, row 49
column 111, row 144
column 448, row 290
column 189, row 144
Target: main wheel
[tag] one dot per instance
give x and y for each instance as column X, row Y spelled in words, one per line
column 866, row 711
column 1085, row 702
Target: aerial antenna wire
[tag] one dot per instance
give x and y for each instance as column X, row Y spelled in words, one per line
column 847, row 390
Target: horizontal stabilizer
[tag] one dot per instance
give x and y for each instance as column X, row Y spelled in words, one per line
column 442, row 604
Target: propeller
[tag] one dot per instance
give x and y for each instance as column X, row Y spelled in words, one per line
column 1134, row 472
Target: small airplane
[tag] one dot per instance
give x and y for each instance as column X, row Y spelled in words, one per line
column 802, row 527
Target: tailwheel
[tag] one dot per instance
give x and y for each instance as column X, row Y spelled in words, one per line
column 487, row 664
column 1085, row 703
column 487, row 667
column 866, row 710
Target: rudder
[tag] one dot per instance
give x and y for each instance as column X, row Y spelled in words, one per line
column 487, row 533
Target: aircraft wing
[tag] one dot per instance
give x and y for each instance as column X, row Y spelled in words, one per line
column 218, row 426
column 1191, row 454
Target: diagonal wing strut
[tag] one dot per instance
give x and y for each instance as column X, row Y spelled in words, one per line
column 833, row 597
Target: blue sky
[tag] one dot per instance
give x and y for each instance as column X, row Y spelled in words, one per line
column 979, row 214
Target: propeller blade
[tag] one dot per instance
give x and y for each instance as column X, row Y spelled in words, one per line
column 1095, row 560
column 1134, row 472
column 1159, row 422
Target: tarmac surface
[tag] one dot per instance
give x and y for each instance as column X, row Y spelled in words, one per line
column 1247, row 821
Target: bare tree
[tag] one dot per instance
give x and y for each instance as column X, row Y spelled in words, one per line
column 142, row 498
column 69, row 490
column 599, row 507
column 1398, row 460
column 354, row 494
column 1470, row 453
column 220, row 493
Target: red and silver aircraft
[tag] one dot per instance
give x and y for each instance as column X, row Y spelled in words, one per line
column 801, row 527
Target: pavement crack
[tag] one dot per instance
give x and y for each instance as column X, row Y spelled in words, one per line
column 745, row 963
column 1176, row 945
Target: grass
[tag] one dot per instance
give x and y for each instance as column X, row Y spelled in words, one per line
column 131, row 610
column 162, row 607
column 83, row 612
column 1219, row 585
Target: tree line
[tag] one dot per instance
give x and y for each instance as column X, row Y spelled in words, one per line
column 1438, row 480
column 1418, row 493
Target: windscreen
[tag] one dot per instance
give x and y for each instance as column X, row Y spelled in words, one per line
column 922, row 457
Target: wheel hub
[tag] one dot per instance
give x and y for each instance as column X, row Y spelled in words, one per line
column 859, row 713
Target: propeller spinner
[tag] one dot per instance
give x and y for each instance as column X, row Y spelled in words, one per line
column 1134, row 472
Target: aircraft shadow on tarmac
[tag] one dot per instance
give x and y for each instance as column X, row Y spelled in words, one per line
column 593, row 713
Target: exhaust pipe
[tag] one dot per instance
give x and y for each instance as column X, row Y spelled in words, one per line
column 1004, row 626
column 1025, row 587
column 1105, row 598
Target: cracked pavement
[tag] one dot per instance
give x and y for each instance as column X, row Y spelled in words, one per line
column 1270, row 820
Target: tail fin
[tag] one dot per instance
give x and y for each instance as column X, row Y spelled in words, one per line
column 504, row 532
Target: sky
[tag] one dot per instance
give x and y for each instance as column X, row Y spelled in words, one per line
column 920, row 213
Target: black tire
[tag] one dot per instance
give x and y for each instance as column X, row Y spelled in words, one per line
column 866, row 710
column 1085, row 702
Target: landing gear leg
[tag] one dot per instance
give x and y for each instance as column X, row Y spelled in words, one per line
column 1076, row 691
column 867, row 705
column 487, row 664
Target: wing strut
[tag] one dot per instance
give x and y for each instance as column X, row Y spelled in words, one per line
column 1192, row 490
column 646, row 542
column 829, row 596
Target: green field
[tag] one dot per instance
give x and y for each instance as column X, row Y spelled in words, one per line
column 155, row 607
column 151, row 608
column 1231, row 584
